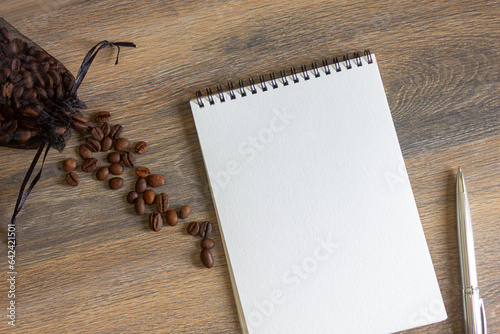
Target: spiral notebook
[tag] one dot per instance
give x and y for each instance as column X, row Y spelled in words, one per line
column 315, row 208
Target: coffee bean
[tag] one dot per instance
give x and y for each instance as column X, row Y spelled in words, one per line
column 30, row 94
column 79, row 118
column 7, row 89
column 11, row 49
column 116, row 131
column 206, row 258
column 76, row 125
column 149, row 196
column 93, row 144
column 116, row 183
column 140, row 206
column 97, row 134
column 128, row 158
column 114, row 157
column 39, row 80
column 193, row 228
column 41, row 56
column 141, row 185
column 116, row 168
column 102, row 117
column 171, row 216
column 155, row 222
column 72, row 179
column 68, row 82
column 90, row 165
column 48, row 78
column 102, row 174
column 85, row 152
column 207, row 243
column 24, row 123
column 28, row 79
column 60, row 130
column 156, row 180
column 18, row 92
column 142, row 171
column 132, row 196
column 106, row 144
column 15, row 104
column 162, row 202
column 121, row 144
column 55, row 76
column 184, row 211
column 69, row 165
column 4, row 32
column 15, row 65
column 141, row 147
column 42, row 93
column 21, row 136
column 5, row 71
column 106, row 129
column 205, row 229
column 29, row 112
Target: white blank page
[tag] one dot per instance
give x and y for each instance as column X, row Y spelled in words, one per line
column 317, row 215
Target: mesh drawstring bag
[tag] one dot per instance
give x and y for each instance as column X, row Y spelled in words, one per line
column 39, row 105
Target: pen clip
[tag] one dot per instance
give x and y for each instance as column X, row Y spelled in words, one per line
column 484, row 325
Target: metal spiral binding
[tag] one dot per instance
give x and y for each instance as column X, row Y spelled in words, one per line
column 327, row 69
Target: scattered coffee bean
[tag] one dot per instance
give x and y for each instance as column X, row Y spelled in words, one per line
column 102, row 117
column 205, row 229
column 121, row 144
column 116, row 131
column 72, row 179
column 114, row 157
column 85, row 152
column 132, row 196
column 155, row 222
column 106, row 129
column 140, row 206
column 171, row 216
column 193, row 228
column 142, row 171
column 116, row 183
column 97, row 134
column 184, row 211
column 116, row 168
column 141, row 147
column 90, row 165
column 69, row 165
column 162, row 202
column 156, row 180
column 207, row 258
column 128, row 158
column 106, row 143
column 207, row 243
column 102, row 173
column 141, row 185
column 79, row 121
column 93, row 144
column 149, row 196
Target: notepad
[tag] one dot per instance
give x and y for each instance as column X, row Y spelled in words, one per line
column 314, row 205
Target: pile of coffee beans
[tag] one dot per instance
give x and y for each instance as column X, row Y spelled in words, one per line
column 204, row 230
column 102, row 138
column 31, row 83
column 105, row 137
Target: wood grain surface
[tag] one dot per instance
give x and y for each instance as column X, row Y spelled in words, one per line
column 87, row 263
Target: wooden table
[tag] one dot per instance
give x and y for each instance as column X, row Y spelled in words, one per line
column 86, row 263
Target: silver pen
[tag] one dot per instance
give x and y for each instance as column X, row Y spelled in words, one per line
column 474, row 313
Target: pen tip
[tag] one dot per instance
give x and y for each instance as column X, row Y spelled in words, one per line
column 460, row 180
